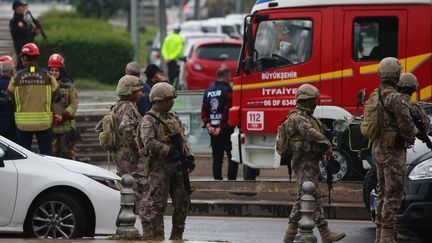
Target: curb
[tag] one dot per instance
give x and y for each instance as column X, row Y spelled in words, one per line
column 231, row 208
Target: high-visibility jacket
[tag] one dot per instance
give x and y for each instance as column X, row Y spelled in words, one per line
column 172, row 48
column 32, row 89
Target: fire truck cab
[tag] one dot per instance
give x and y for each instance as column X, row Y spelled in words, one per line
column 335, row 45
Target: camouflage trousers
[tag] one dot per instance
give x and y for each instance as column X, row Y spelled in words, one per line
column 126, row 160
column 308, row 171
column 154, row 199
column 61, row 146
column 390, row 165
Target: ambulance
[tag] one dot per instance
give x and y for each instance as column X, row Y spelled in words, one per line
column 335, row 45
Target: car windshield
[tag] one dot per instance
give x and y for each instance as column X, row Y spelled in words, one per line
column 282, row 43
column 219, row 52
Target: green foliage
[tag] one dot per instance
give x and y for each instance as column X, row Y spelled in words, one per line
column 87, row 84
column 99, row 8
column 93, row 49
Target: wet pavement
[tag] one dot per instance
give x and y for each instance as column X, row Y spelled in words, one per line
column 244, row 230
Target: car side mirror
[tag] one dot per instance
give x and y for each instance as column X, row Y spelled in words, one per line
column 2, row 154
column 361, row 97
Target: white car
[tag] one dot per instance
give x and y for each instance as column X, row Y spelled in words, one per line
column 49, row 197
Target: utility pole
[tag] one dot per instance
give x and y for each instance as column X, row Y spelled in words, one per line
column 197, row 9
column 162, row 28
column 239, row 6
column 181, row 13
column 134, row 29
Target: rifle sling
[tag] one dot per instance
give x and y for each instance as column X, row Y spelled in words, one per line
column 160, row 121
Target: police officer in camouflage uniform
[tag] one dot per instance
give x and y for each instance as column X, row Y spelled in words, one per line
column 389, row 149
column 407, row 85
column 159, row 160
column 64, row 108
column 308, row 144
column 128, row 118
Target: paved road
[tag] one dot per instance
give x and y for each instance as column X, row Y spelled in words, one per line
column 253, row 230
column 262, row 230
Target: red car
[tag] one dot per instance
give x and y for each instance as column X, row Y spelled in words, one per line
column 206, row 57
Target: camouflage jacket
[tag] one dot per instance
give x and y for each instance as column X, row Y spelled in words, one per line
column 397, row 121
column 153, row 140
column 306, row 136
column 416, row 109
column 128, row 119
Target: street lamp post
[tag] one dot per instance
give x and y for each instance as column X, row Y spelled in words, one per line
column 134, row 28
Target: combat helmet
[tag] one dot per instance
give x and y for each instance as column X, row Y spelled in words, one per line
column 408, row 80
column 307, row 91
column 390, row 68
column 127, row 85
column 162, row 91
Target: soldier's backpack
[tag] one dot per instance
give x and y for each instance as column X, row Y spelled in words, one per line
column 372, row 121
column 108, row 130
column 283, row 147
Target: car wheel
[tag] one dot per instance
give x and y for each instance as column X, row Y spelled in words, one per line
column 341, row 167
column 369, row 185
column 56, row 215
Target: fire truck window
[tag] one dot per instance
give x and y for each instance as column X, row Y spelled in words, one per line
column 374, row 38
column 281, row 43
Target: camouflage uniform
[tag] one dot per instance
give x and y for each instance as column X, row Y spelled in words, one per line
column 389, row 152
column 308, row 145
column 126, row 156
column 156, row 172
column 389, row 149
column 66, row 106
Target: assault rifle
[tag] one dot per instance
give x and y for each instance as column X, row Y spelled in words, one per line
column 37, row 24
column 186, row 161
column 419, row 123
column 329, row 180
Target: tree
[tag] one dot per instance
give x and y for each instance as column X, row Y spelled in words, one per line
column 99, row 8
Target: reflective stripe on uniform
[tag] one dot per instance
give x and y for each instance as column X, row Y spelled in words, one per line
column 30, row 118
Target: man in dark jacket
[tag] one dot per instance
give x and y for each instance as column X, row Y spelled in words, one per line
column 21, row 32
column 216, row 103
column 7, row 119
column 154, row 75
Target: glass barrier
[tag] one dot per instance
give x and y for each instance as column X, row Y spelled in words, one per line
column 187, row 105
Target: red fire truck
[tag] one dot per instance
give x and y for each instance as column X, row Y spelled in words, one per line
column 335, row 45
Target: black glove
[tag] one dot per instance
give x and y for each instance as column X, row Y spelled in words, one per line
column 190, row 162
column 173, row 155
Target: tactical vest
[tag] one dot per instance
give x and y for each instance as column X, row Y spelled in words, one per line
column 33, row 96
column 298, row 142
column 214, row 98
column 61, row 105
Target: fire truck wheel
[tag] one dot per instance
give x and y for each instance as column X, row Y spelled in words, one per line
column 341, row 167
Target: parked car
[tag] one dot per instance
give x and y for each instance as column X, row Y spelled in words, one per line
column 49, row 197
column 208, row 56
column 189, row 41
column 230, row 27
column 415, row 212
